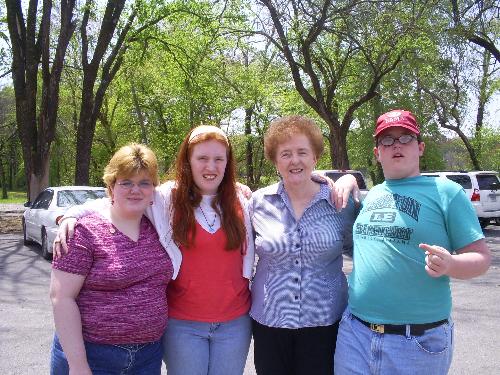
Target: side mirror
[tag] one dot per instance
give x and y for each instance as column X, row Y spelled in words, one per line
column 27, row 204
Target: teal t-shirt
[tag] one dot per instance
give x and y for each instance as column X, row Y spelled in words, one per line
column 389, row 283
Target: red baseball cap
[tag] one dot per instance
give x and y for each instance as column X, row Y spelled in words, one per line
column 396, row 117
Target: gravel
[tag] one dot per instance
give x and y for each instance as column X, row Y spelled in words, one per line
column 11, row 207
column 10, row 217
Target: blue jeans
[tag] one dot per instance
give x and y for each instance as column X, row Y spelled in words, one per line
column 136, row 359
column 362, row 351
column 199, row 348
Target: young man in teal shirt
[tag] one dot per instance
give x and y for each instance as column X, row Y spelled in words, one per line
column 412, row 234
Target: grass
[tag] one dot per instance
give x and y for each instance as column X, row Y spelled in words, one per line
column 14, row 197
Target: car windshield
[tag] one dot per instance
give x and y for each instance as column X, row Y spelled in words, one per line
column 485, row 181
column 463, row 180
column 359, row 178
column 67, row 198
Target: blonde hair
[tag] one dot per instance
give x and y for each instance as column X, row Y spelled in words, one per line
column 284, row 128
column 129, row 160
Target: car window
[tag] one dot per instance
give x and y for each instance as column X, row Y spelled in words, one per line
column 431, row 175
column 486, row 180
column 463, row 180
column 43, row 200
column 66, row 198
column 359, row 177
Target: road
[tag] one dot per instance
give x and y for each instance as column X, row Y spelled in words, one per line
column 26, row 326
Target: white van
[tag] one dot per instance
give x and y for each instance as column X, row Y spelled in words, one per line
column 334, row 174
column 483, row 189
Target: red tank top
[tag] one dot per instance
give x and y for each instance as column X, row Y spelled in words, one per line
column 210, row 286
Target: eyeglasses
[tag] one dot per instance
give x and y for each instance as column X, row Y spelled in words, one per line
column 389, row 141
column 128, row 185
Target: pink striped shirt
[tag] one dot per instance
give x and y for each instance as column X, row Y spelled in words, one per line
column 123, row 298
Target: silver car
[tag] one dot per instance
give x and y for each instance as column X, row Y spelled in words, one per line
column 335, row 174
column 483, row 189
column 39, row 219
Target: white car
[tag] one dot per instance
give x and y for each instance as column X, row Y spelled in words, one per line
column 334, row 174
column 483, row 189
column 40, row 218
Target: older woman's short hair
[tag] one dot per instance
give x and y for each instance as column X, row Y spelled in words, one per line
column 129, row 160
column 282, row 129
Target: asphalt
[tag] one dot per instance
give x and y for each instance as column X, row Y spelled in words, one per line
column 26, row 326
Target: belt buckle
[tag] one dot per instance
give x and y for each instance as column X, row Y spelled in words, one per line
column 379, row 328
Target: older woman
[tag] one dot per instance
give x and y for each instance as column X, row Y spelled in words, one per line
column 109, row 292
column 299, row 290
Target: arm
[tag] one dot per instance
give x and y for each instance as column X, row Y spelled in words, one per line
column 348, row 215
column 160, row 214
column 341, row 189
column 68, row 221
column 244, row 189
column 249, row 257
column 468, row 262
column 87, row 208
column 64, row 288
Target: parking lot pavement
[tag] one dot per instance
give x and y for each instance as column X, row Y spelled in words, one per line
column 26, row 326
column 26, row 318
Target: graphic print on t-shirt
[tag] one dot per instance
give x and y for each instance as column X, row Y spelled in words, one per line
column 385, row 212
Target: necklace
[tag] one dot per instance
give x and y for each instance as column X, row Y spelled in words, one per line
column 211, row 226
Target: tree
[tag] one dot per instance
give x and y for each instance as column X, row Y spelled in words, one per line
column 339, row 52
column 8, row 136
column 477, row 22
column 104, row 60
column 465, row 74
column 31, row 45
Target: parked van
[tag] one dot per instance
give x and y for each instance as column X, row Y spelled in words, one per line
column 483, row 189
column 334, row 174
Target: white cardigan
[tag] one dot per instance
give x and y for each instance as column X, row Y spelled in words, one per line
column 160, row 214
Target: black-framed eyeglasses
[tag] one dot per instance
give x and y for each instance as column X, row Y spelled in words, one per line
column 389, row 141
column 128, row 185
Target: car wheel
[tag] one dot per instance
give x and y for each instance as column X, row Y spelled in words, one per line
column 484, row 222
column 25, row 236
column 45, row 246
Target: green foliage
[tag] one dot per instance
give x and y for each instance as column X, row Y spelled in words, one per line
column 200, row 62
column 488, row 142
column 14, row 197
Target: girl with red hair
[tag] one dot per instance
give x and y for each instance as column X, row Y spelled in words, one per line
column 209, row 328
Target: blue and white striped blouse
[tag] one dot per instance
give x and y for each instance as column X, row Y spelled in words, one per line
column 299, row 280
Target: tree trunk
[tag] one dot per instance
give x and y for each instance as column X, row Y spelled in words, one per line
column 27, row 49
column 140, row 115
column 249, row 148
column 3, row 178
column 84, row 138
column 40, row 181
column 338, row 147
column 92, row 96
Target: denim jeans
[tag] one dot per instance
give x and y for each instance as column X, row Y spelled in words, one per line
column 199, row 348
column 362, row 351
column 127, row 359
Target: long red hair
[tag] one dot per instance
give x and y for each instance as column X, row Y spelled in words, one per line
column 186, row 196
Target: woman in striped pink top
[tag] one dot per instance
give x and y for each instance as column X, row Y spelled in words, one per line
column 109, row 292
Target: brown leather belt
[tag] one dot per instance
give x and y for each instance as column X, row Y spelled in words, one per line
column 415, row 329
